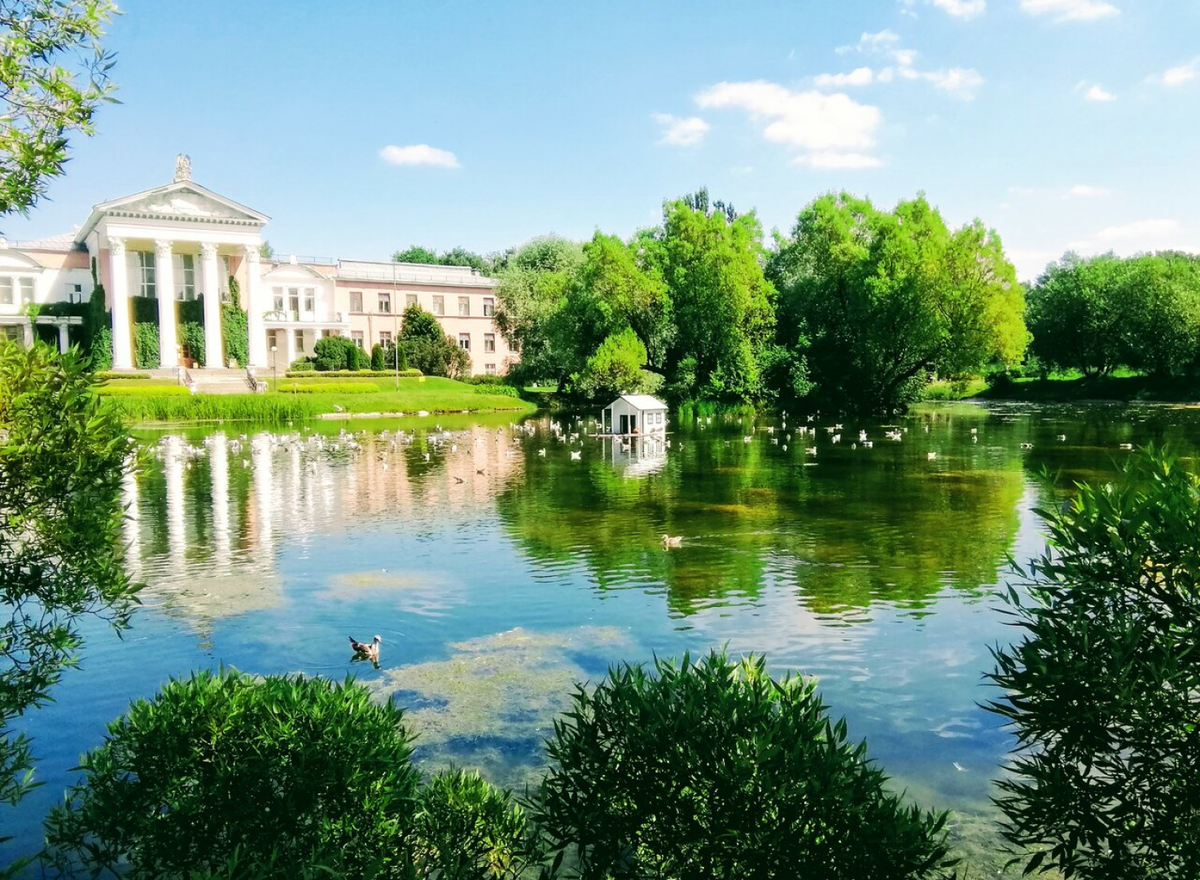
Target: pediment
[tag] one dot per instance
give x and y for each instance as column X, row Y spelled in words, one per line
column 184, row 201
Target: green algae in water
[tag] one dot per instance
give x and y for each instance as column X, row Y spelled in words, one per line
column 491, row 704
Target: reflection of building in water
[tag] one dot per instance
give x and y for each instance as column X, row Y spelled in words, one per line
column 636, row 456
column 228, row 504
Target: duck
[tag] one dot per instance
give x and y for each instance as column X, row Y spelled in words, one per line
column 366, row 651
column 672, row 541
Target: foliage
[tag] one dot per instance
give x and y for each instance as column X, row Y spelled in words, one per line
column 335, row 353
column 878, row 301
column 282, row 767
column 103, row 375
column 326, row 388
column 43, row 97
column 97, row 326
column 1101, row 687
column 191, row 337
column 266, row 251
column 305, row 367
column 377, row 359
column 146, row 353
column 426, row 347
column 307, row 373
column 235, row 332
column 614, row 369
column 62, row 458
column 714, row 770
column 415, row 254
column 420, row 324
column 143, row 391
column 1098, row 313
column 504, row 390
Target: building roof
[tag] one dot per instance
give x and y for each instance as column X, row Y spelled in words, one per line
column 412, row 273
column 641, row 401
column 181, row 200
column 62, row 242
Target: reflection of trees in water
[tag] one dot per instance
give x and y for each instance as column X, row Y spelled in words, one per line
column 883, row 524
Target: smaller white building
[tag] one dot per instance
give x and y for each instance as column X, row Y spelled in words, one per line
column 634, row 414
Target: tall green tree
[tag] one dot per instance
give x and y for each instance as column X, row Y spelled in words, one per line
column 1074, row 315
column 884, row 299
column 62, row 457
column 415, row 254
column 722, row 305
column 54, row 76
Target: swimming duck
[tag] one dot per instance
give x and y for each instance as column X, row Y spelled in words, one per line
column 672, row 540
column 366, row 651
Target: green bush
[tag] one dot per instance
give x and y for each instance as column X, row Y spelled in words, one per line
column 143, row 391
column 191, row 336
column 146, row 354
column 714, row 770
column 300, row 367
column 333, row 353
column 234, row 327
column 377, row 359
column 502, row 390
column 303, row 363
column 224, row 763
column 1101, row 688
column 327, row 388
column 104, row 375
column 297, row 371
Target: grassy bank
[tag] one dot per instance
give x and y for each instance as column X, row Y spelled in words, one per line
column 1074, row 387
column 307, row 398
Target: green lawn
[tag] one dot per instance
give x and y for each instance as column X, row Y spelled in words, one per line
column 320, row 397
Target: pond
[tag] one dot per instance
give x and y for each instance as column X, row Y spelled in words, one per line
column 502, row 563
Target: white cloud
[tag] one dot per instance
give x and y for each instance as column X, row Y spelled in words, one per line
column 880, row 41
column 1083, row 191
column 1139, row 230
column 860, row 76
column 1097, row 92
column 681, row 132
column 419, row 154
column 1178, row 76
column 1142, row 236
column 965, row 9
column 831, row 159
column 824, row 126
column 957, row 81
column 1071, row 10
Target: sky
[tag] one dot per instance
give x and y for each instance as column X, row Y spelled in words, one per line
column 364, row 127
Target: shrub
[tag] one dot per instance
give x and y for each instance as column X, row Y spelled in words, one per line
column 327, row 388
column 1101, row 688
column 300, row 367
column 104, row 375
column 502, row 390
column 377, row 358
column 303, row 363
column 359, row 374
column 714, row 770
column 222, row 763
column 334, row 353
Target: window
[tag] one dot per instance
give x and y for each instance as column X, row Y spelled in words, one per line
column 464, row 307
column 489, row 306
column 189, row 275
column 12, row 332
column 75, row 293
column 294, row 300
column 356, row 336
column 299, row 341
column 439, row 305
column 278, row 291
column 385, row 338
column 385, row 303
column 6, row 292
column 310, row 299
column 489, row 341
column 489, row 369
column 145, row 265
column 356, row 301
column 26, row 285
column 274, row 340
column 464, row 341
column 410, row 299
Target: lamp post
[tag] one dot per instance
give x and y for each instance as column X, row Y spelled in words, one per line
column 275, row 366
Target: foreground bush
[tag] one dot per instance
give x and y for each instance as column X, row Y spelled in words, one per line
column 1102, row 686
column 714, row 770
column 280, row 771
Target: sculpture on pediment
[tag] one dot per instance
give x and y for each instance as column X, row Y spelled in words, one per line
column 183, row 167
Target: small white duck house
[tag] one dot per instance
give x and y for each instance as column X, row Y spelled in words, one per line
column 634, row 414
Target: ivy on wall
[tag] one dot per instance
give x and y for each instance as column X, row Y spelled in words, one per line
column 145, row 346
column 234, row 328
column 191, row 328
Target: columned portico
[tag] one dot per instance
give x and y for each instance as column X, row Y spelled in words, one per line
column 122, row 330
column 214, row 346
column 254, row 310
column 164, row 289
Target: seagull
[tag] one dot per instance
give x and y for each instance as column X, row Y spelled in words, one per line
column 931, row 455
column 366, row 651
column 575, row 456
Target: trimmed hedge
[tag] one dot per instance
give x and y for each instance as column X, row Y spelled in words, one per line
column 143, row 391
column 104, row 375
column 502, row 390
column 305, row 367
column 296, row 373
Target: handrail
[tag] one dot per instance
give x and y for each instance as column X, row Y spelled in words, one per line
column 256, row 385
column 185, row 378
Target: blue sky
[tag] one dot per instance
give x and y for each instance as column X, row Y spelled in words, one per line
column 1061, row 123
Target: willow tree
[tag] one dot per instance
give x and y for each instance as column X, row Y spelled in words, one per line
column 881, row 300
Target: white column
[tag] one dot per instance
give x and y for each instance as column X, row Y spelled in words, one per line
column 133, row 521
column 173, row 465
column 289, row 346
column 257, row 348
column 219, row 473
column 164, row 288
column 63, row 341
column 28, row 330
column 214, row 348
column 122, row 330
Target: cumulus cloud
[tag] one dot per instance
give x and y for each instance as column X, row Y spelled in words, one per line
column 1071, row 10
column 964, row 9
column 879, row 41
column 1138, row 230
column 1178, row 76
column 957, row 81
column 1097, row 92
column 860, row 76
column 829, row 159
column 828, row 128
column 419, row 154
column 681, row 132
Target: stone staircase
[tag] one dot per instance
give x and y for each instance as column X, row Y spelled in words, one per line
column 220, row 381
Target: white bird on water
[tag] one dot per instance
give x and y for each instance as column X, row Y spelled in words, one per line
column 576, row 455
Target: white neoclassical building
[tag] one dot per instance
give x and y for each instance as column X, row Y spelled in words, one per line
column 182, row 241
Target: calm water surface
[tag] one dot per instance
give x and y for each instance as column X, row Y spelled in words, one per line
column 499, row 571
